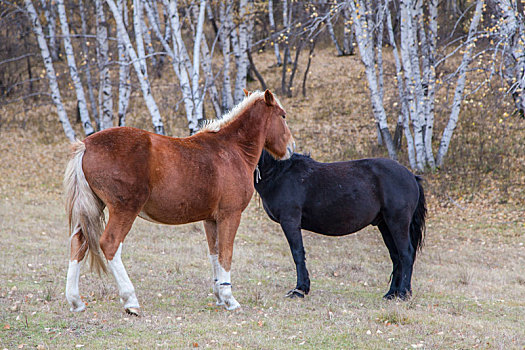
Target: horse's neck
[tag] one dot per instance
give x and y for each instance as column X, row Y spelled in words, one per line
column 267, row 166
column 248, row 134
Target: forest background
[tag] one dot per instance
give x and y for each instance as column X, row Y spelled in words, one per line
column 437, row 85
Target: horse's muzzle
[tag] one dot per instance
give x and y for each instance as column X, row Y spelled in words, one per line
column 289, row 150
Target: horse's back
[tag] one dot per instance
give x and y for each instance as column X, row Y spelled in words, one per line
column 397, row 185
column 344, row 197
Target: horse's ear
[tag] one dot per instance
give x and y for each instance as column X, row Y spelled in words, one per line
column 268, row 98
column 246, row 92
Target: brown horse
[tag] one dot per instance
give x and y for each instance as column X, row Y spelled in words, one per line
column 207, row 176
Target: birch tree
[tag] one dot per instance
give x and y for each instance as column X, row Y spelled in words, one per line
column 365, row 40
column 511, row 39
column 242, row 43
column 206, row 61
column 416, row 65
column 85, row 63
column 105, row 94
column 460, row 86
column 187, row 73
column 50, row 70
column 50, row 14
column 272, row 33
column 124, row 86
column 226, row 20
column 68, row 48
column 144, row 83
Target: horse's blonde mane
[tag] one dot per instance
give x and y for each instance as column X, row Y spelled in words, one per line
column 216, row 124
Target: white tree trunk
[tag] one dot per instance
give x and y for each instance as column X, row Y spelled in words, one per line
column 105, row 94
column 124, row 86
column 210, row 79
column 429, row 74
column 408, row 43
column 242, row 63
column 198, row 99
column 512, row 31
column 272, row 33
column 138, row 26
column 50, row 70
column 458, row 95
column 68, row 48
column 206, row 63
column 365, row 42
column 85, row 62
column 50, row 14
column 224, row 34
column 143, row 81
column 404, row 116
column 182, row 61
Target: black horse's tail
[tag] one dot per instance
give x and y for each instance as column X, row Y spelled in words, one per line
column 417, row 225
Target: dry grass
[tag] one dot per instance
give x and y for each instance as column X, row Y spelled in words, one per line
column 468, row 281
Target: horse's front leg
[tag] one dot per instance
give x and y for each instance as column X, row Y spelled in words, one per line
column 211, row 236
column 292, row 230
column 226, row 230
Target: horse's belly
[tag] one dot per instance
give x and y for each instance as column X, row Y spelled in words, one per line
column 176, row 212
column 339, row 221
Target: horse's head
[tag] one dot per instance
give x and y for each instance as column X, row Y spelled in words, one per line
column 278, row 140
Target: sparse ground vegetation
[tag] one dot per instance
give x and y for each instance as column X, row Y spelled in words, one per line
column 468, row 282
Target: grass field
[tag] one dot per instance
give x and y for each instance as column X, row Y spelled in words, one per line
column 469, row 282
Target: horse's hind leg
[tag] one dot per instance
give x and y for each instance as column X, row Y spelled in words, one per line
column 394, row 256
column 78, row 251
column 399, row 225
column 111, row 244
column 211, row 236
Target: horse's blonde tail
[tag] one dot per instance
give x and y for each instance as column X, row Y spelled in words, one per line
column 84, row 209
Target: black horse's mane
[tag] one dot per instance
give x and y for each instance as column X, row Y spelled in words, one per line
column 270, row 167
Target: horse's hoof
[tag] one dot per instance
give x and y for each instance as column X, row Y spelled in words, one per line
column 219, row 303
column 133, row 311
column 389, row 296
column 295, row 293
column 232, row 305
column 79, row 308
column 404, row 296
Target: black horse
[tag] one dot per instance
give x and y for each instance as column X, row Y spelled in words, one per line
column 336, row 199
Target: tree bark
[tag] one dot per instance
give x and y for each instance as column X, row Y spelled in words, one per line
column 274, row 39
column 124, row 86
column 50, row 70
column 242, row 57
column 85, row 62
column 105, row 93
column 143, row 81
column 460, row 85
column 68, row 48
column 225, row 9
column 403, row 116
column 408, row 44
column 50, row 14
column 365, row 41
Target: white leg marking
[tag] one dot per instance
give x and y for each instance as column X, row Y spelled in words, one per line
column 72, row 294
column 225, row 289
column 214, row 260
column 125, row 287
